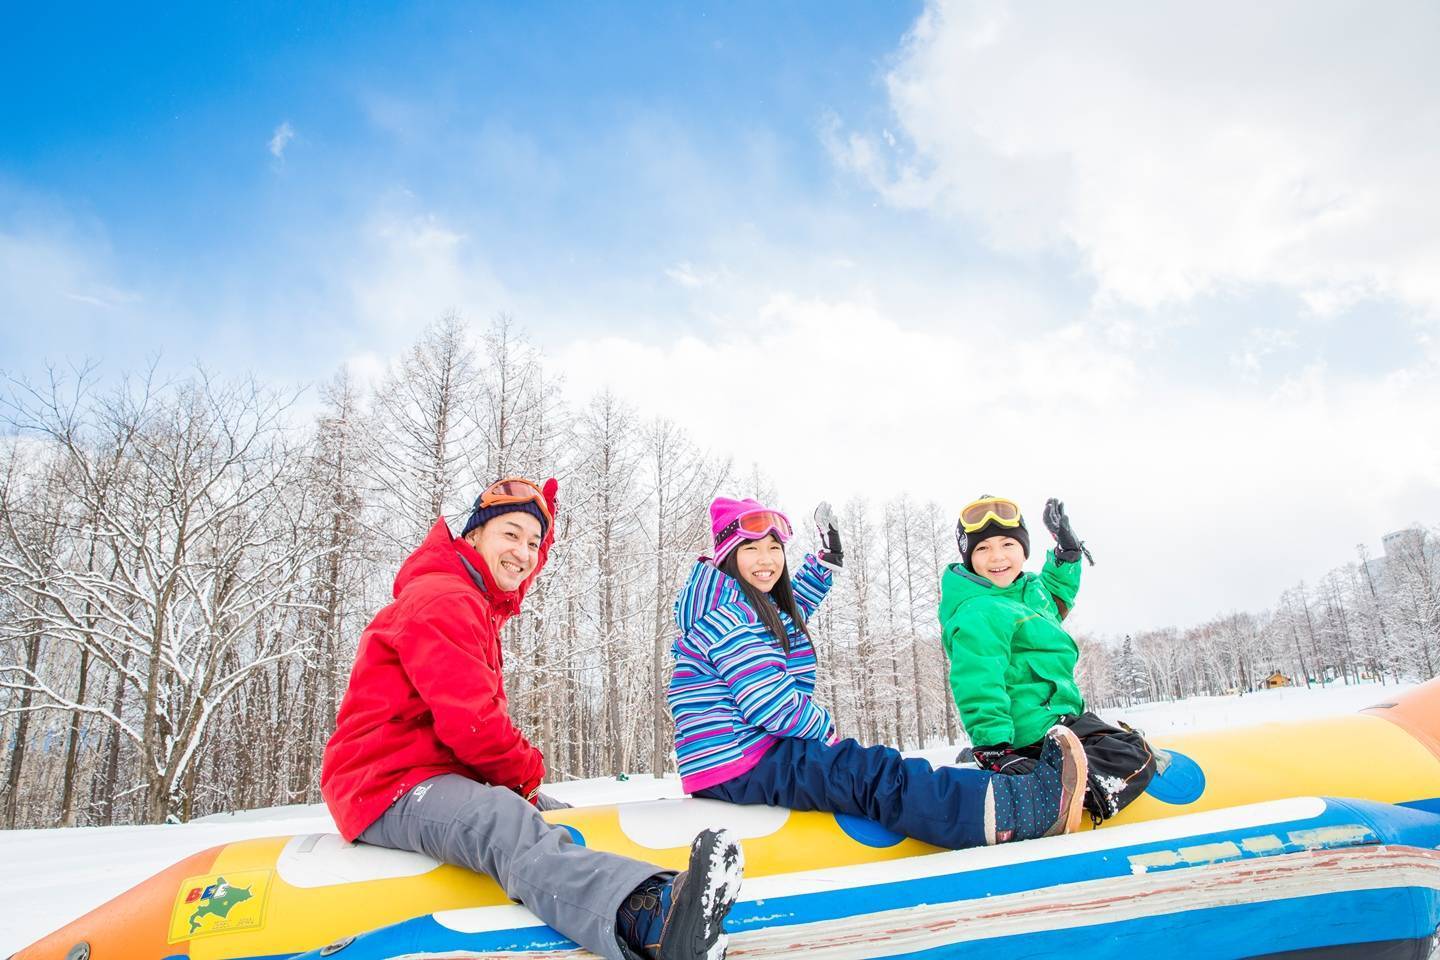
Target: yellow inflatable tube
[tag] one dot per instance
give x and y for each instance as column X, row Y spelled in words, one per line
column 1389, row 752
column 276, row 897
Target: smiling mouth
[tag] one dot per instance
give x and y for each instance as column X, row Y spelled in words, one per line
column 509, row 567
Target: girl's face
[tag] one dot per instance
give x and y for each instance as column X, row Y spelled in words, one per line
column 760, row 562
column 998, row 559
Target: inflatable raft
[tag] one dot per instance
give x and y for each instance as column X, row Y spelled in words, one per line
column 1318, row 839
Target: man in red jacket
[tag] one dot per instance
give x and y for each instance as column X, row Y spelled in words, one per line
column 425, row 756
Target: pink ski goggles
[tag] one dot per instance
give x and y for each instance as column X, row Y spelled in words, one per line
column 755, row 525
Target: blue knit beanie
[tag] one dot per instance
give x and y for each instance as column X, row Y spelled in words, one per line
column 483, row 515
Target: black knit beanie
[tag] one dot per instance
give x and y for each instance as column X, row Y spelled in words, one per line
column 483, row 515
column 968, row 541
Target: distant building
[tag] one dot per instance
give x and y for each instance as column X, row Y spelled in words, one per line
column 1395, row 545
column 1276, row 679
column 1402, row 541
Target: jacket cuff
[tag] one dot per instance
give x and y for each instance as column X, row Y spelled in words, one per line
column 818, row 569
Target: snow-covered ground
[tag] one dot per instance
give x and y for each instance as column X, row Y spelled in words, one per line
column 1287, row 703
column 50, row 877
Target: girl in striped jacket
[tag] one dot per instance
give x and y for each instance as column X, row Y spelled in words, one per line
column 748, row 730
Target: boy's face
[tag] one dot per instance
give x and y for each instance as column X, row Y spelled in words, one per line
column 998, row 559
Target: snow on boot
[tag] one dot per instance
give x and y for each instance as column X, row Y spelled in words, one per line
column 1043, row 803
column 701, row 897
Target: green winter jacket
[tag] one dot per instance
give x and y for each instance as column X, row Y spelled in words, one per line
column 1012, row 666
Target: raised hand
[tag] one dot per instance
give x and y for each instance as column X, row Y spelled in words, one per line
column 831, row 555
column 1068, row 547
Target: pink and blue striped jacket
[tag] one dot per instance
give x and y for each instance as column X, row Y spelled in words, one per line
column 734, row 691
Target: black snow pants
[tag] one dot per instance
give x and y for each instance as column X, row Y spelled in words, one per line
column 1121, row 763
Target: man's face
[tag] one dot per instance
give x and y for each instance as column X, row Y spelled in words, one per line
column 510, row 546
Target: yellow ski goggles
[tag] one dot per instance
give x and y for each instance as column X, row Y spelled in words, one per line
column 975, row 515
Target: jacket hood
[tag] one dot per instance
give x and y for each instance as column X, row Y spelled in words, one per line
column 707, row 590
column 959, row 585
column 440, row 552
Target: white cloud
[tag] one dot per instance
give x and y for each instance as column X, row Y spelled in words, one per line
column 280, row 139
column 1179, row 150
column 685, row 274
column 410, row 270
column 1258, row 344
column 366, row 367
column 105, row 297
column 53, row 277
column 1198, row 498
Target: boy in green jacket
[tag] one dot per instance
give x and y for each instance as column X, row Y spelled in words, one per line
column 1012, row 665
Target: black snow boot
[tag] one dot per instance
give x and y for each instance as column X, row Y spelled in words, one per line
column 701, row 897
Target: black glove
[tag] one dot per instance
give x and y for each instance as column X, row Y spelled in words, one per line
column 1002, row 759
column 830, row 553
column 1068, row 547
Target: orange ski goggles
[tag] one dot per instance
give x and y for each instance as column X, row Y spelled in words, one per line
column 756, row 525
column 975, row 515
column 515, row 490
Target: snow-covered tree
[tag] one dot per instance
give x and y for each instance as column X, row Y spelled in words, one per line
column 425, row 442
column 183, row 489
column 186, row 567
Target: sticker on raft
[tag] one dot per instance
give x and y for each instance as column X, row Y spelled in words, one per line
column 219, row 903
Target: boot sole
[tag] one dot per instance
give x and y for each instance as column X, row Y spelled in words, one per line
column 1074, row 774
column 695, row 928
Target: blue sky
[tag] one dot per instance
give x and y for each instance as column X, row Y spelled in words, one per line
column 567, row 142
column 1176, row 265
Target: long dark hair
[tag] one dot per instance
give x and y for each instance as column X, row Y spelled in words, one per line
column 768, row 605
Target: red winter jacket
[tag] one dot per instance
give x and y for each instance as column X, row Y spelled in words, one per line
column 426, row 695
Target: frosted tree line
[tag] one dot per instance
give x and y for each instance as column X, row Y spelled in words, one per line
column 1363, row 621
column 186, row 566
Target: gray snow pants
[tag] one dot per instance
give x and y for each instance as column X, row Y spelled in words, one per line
column 494, row 831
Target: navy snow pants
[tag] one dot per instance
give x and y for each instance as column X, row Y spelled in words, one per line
column 944, row 807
